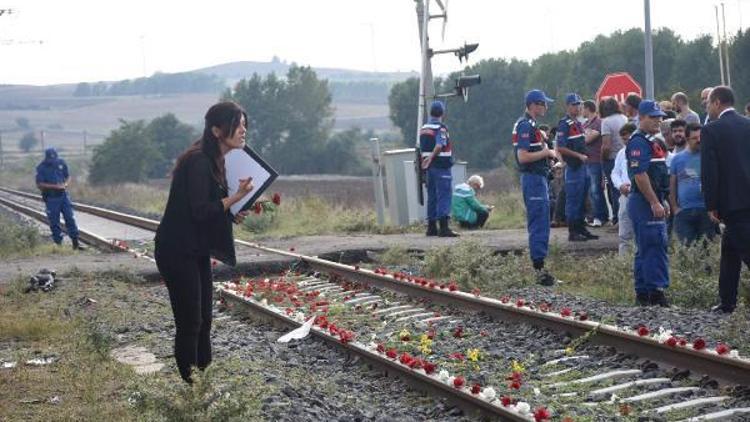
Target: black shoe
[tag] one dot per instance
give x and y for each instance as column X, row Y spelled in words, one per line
column 544, row 278
column 642, row 299
column 77, row 245
column 574, row 236
column 657, row 297
column 721, row 309
column 586, row 233
column 445, row 231
column 432, row 228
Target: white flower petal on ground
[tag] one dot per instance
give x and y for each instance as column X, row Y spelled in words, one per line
column 488, row 393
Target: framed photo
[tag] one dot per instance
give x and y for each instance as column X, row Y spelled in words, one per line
column 244, row 163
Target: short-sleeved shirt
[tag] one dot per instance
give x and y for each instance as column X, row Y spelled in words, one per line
column 611, row 126
column 52, row 171
column 528, row 137
column 692, row 117
column 594, row 148
column 686, row 166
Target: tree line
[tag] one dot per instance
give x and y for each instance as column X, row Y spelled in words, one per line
column 482, row 127
column 159, row 83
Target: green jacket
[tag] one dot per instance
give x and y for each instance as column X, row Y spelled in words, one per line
column 465, row 205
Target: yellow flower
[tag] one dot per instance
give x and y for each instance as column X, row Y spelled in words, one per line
column 516, row 366
column 570, row 351
column 473, row 355
column 424, row 344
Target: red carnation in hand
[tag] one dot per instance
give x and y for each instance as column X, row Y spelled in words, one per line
column 722, row 349
column 459, row 381
column 541, row 414
column 699, row 344
column 476, row 389
column 566, row 312
column 643, row 331
column 671, row 342
column 392, row 353
column 428, row 367
column 506, row 401
column 276, row 199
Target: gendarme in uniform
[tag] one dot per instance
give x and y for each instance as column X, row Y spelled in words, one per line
column 51, row 178
column 646, row 154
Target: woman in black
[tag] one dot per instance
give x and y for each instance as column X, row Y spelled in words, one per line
column 196, row 225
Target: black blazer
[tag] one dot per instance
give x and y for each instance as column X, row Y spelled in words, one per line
column 725, row 164
column 194, row 221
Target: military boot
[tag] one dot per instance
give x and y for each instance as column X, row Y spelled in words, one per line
column 77, row 245
column 432, row 229
column 445, row 231
column 657, row 297
column 585, row 232
column 574, row 234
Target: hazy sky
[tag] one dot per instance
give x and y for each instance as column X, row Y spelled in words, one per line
column 109, row 40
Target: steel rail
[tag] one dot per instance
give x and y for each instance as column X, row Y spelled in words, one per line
column 724, row 368
column 417, row 379
column 86, row 236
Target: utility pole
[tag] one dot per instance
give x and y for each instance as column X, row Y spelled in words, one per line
column 649, row 51
column 718, row 45
column 726, row 46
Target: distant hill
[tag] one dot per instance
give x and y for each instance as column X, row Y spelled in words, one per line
column 235, row 71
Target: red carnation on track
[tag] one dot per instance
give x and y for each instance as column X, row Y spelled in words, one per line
column 520, row 303
column 405, row 358
column 699, row 344
column 566, row 312
column 722, row 349
column 346, row 336
column 505, row 299
column 459, row 381
column 476, row 389
column 381, row 348
column 671, row 342
column 541, row 414
column 428, row 367
column 643, row 331
column 583, row 316
column 415, row 364
column 452, row 286
column 506, row 401
column 392, row 353
column 276, row 199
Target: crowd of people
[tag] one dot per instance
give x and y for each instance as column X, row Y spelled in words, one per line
column 651, row 169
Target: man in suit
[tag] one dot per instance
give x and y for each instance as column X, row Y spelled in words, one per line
column 725, row 174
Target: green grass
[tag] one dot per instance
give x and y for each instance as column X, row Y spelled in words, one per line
column 509, row 212
column 20, row 239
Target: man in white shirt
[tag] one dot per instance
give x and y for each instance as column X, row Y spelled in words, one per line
column 621, row 181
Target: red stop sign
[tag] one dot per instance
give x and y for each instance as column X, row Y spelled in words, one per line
column 619, row 86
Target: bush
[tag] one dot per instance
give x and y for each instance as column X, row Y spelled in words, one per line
column 28, row 142
column 17, row 235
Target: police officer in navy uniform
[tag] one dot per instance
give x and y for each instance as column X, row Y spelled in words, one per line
column 572, row 146
column 647, row 168
column 532, row 156
column 52, row 179
column 437, row 158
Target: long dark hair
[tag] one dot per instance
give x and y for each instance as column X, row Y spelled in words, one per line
column 227, row 116
column 608, row 107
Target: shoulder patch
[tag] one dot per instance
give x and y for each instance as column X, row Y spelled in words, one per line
column 635, row 153
column 634, row 163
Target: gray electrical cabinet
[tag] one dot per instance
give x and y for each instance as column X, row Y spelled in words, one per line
column 401, row 186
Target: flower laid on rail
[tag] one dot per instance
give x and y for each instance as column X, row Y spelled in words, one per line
column 699, row 344
column 345, row 336
column 520, row 303
column 488, row 393
column 722, row 349
column 583, row 315
column 405, row 358
column 428, row 367
column 541, row 414
column 459, row 381
column 671, row 342
column 452, row 286
column 506, row 401
column 566, row 312
column 643, row 331
column 476, row 389
column 391, row 353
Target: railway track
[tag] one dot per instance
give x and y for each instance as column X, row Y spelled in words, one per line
column 663, row 348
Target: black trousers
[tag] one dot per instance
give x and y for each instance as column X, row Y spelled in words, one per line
column 189, row 281
column 482, row 217
column 735, row 249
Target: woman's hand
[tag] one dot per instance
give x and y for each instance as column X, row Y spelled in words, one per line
column 240, row 217
column 246, row 186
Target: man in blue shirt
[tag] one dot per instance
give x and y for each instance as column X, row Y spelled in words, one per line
column 572, row 146
column 437, row 159
column 691, row 220
column 532, row 157
column 646, row 159
column 52, row 179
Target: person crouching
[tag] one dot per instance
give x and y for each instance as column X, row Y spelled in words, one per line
column 466, row 208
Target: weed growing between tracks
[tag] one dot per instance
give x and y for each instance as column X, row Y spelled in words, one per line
column 19, row 238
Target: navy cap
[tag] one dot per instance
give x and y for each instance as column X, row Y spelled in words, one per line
column 50, row 154
column 650, row 108
column 437, row 108
column 573, row 98
column 537, row 95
